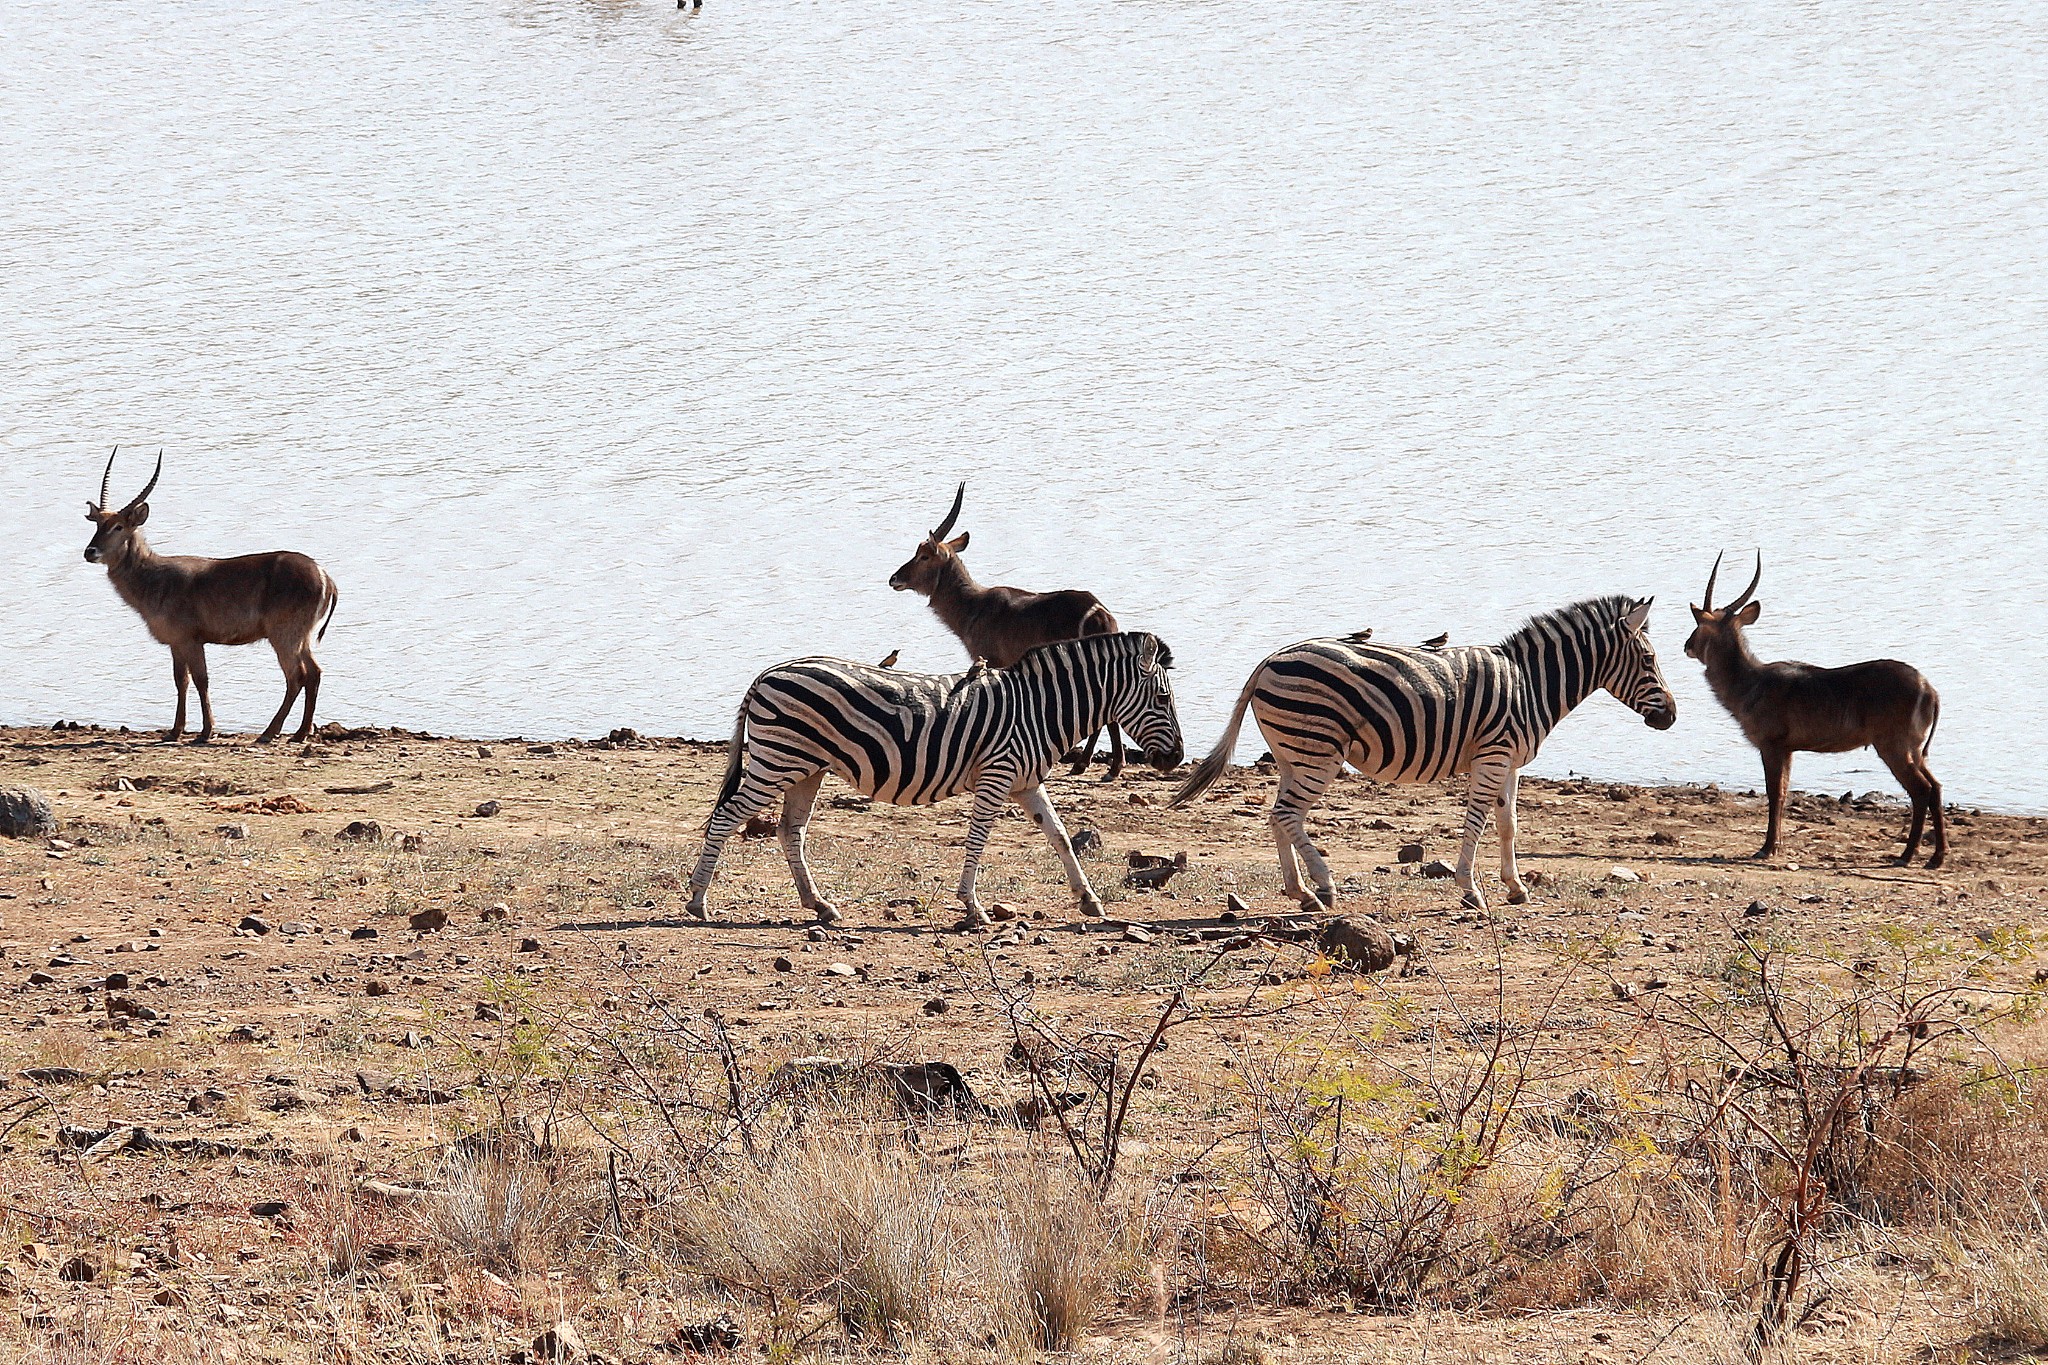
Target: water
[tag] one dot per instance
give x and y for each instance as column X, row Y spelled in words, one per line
column 606, row 354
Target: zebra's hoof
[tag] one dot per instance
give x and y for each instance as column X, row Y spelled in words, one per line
column 826, row 912
column 1472, row 900
column 971, row 922
column 1091, row 908
column 696, row 912
column 1518, row 896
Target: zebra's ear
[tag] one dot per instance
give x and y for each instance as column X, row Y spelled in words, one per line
column 1638, row 614
column 1148, row 650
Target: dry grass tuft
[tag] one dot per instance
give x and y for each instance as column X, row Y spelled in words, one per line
column 1048, row 1257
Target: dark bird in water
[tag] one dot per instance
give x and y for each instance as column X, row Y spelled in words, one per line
column 1359, row 637
column 1437, row 641
column 889, row 662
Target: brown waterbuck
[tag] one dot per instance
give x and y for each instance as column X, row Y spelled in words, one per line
column 190, row 603
column 1000, row 624
column 1787, row 707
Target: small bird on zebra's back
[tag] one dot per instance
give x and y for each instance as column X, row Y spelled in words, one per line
column 912, row 739
column 1420, row 714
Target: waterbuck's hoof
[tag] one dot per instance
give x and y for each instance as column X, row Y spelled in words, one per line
column 202, row 738
column 826, row 912
column 1765, row 852
column 1936, row 861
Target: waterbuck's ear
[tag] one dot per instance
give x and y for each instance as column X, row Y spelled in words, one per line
column 957, row 543
column 1697, row 615
column 92, row 510
column 1747, row 616
column 1638, row 614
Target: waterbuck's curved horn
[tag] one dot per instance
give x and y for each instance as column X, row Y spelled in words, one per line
column 149, row 487
column 107, row 479
column 1707, row 601
column 1739, row 603
column 953, row 515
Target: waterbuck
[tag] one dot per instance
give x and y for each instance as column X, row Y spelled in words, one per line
column 1786, row 707
column 190, row 603
column 1000, row 624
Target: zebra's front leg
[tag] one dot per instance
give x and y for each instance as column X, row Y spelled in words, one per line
column 796, row 818
column 988, row 803
column 1504, row 821
column 1488, row 778
column 1035, row 804
column 1299, row 791
column 753, row 797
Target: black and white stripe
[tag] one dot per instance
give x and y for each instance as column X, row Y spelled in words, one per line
column 913, row 739
column 1401, row 714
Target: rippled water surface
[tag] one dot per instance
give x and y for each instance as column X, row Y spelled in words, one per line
column 606, row 354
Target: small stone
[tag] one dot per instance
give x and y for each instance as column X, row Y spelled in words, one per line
column 233, row 831
column 428, row 921
column 840, row 969
column 559, row 1344
column 488, row 1013
column 529, row 945
column 361, row 831
column 936, row 1005
column 254, row 925
column 268, row 1208
column 815, row 934
column 1623, row 874
column 1358, row 943
column 78, row 1270
column 168, row 1297
column 1438, row 868
column 1000, row 911
column 351, row 1134
column 41, row 978
column 491, row 914
column 783, row 964
column 1235, row 908
column 362, row 931
column 291, row 928
column 1755, row 910
column 1136, row 933
column 412, row 843
column 1410, row 853
column 1622, row 990
column 1085, row 842
column 487, row 809
column 376, row 986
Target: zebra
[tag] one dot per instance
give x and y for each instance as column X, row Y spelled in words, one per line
column 912, row 739
column 1401, row 714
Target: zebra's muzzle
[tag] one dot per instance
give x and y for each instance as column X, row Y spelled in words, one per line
column 1165, row 760
column 1662, row 718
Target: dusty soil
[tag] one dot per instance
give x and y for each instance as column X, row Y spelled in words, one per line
column 339, row 1033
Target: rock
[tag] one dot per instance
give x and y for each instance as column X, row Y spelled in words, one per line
column 1755, row 910
column 53, row 1075
column 1655, row 982
column 840, row 969
column 936, row 1005
column 529, row 945
column 352, row 1134
column 1136, row 933
column 117, row 981
column 232, row 831
column 815, row 934
column 41, row 978
column 560, row 1343
column 258, row 927
column 783, row 964
column 78, row 1270
column 376, row 986
column 361, row 831
column 248, row 1033
column 292, row 928
column 1622, row 990
column 486, row 809
column 719, row 1334
column 268, row 1208
column 25, row 814
column 1357, row 943
column 488, row 1013
column 1000, row 911
column 412, row 843
column 1235, row 908
column 168, row 1297
column 759, row 827
column 492, row 914
column 362, row 931
column 1410, row 853
column 1623, row 874
column 1437, row 868
column 428, row 921
column 1151, row 872
column 1085, row 841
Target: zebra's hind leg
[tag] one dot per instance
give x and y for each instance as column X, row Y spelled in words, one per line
column 1505, row 821
column 754, row 796
column 796, row 818
column 1032, row 799
column 1300, row 789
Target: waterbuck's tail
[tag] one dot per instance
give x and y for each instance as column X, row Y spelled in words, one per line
column 735, row 756
column 333, row 601
column 1932, row 726
column 1209, row 769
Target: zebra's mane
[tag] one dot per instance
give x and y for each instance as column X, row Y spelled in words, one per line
column 1595, row 613
column 1084, row 643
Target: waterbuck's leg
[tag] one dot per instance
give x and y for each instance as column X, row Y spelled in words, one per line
column 1940, row 854
column 989, row 799
column 757, row 791
column 205, row 734
column 181, row 669
column 1907, row 768
column 1032, row 799
column 1777, row 769
column 310, row 672
column 1300, row 789
column 796, row 819
column 1116, row 754
column 287, row 660
column 1489, row 782
column 1505, row 822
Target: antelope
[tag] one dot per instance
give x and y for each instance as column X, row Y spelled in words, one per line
column 1784, row 708
column 999, row 624
column 189, row 603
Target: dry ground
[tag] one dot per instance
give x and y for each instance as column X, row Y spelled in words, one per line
column 317, row 1055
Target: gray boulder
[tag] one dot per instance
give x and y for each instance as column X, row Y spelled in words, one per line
column 25, row 814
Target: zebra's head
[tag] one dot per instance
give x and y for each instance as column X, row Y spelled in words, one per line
column 1143, row 704
column 1632, row 675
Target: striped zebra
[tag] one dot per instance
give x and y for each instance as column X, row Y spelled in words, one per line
column 913, row 738
column 1400, row 714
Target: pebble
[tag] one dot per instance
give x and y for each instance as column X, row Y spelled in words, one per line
column 488, row 808
column 1410, row 853
column 1438, row 868
column 529, row 945
column 428, row 921
column 1623, row 874
column 936, row 1005
column 254, row 925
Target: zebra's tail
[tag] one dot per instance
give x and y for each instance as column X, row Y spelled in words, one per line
column 1209, row 769
column 735, row 755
